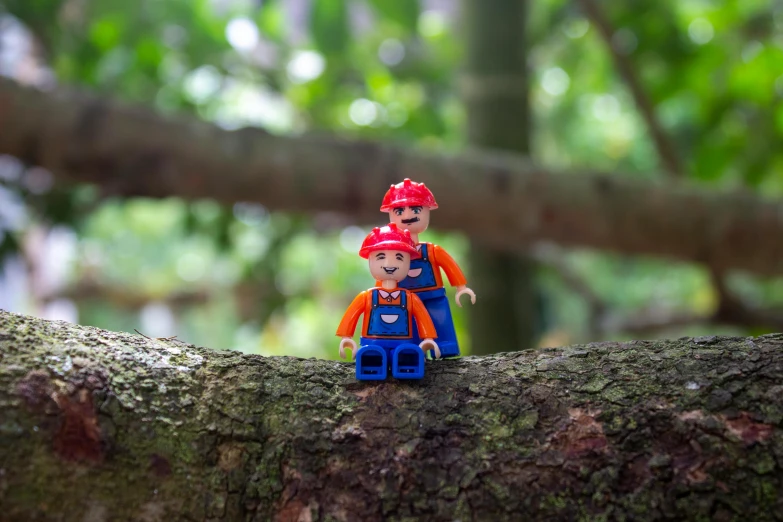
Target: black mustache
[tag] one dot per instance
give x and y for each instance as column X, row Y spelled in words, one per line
column 411, row 220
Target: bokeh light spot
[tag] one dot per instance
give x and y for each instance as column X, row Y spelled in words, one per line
column 363, row 112
column 701, row 31
column 555, row 81
column 242, row 34
column 391, row 51
column 351, row 239
column 202, row 83
column 305, row 66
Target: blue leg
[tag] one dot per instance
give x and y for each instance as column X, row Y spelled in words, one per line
column 408, row 362
column 371, row 363
column 439, row 310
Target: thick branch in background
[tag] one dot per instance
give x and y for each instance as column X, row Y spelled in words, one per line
column 499, row 198
column 99, row 425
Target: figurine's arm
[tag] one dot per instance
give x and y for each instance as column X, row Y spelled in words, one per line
column 427, row 330
column 348, row 323
column 455, row 275
column 452, row 269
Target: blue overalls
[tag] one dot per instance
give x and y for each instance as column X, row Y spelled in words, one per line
column 422, row 275
column 389, row 319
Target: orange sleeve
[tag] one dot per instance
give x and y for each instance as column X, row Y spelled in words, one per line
column 351, row 318
column 452, row 269
column 422, row 316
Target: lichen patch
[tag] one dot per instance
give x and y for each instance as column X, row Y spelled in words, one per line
column 694, row 415
column 230, row 455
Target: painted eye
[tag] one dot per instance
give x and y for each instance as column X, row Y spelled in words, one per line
column 417, row 210
column 398, row 211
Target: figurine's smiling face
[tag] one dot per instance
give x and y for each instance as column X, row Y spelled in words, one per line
column 415, row 219
column 389, row 264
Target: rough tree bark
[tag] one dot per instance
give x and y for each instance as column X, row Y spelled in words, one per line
column 96, row 425
column 495, row 93
column 134, row 152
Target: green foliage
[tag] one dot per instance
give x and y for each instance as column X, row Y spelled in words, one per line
column 402, row 12
column 329, row 27
column 388, row 70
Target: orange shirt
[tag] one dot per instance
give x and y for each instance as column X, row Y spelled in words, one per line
column 362, row 304
column 440, row 259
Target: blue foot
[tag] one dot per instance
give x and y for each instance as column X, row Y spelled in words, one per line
column 371, row 363
column 408, row 362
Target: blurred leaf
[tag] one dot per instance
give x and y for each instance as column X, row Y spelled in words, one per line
column 271, row 19
column 402, row 12
column 329, row 26
column 8, row 245
column 712, row 160
column 58, row 207
column 149, row 52
column 106, row 33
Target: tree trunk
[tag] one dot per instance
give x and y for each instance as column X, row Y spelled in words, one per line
column 134, row 152
column 495, row 87
column 96, row 425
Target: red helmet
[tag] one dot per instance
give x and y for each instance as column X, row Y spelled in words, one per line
column 408, row 194
column 389, row 238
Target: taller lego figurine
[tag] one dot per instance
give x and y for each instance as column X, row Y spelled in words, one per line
column 389, row 311
column 409, row 205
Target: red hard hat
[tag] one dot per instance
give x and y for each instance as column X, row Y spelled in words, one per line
column 389, row 238
column 408, row 194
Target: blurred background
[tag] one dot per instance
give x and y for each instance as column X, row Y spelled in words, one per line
column 660, row 89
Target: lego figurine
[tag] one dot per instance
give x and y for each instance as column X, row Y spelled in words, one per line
column 389, row 311
column 409, row 204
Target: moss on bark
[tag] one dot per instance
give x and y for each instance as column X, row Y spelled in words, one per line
column 96, row 425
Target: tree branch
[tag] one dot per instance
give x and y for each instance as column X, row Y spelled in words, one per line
column 127, row 299
column 497, row 198
column 666, row 149
column 113, row 426
column 731, row 311
column 651, row 322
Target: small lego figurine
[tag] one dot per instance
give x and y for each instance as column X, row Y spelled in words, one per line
column 409, row 205
column 389, row 311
